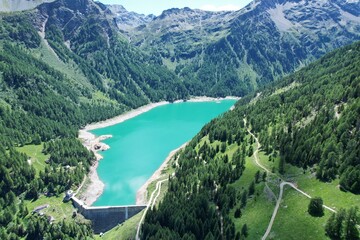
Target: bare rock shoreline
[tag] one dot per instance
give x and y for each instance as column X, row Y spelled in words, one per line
column 93, row 143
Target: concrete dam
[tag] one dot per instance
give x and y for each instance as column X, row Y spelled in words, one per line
column 105, row 218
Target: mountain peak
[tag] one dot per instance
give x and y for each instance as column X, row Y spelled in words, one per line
column 174, row 11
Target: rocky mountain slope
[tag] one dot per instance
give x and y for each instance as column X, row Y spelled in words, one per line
column 231, row 53
column 128, row 20
column 181, row 34
column 83, row 31
column 20, row 5
column 205, row 53
column 70, row 62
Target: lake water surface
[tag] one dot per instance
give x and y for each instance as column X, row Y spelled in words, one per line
column 140, row 145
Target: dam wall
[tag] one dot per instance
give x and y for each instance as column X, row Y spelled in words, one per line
column 105, row 218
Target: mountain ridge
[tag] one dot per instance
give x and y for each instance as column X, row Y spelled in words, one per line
column 68, row 63
column 260, row 43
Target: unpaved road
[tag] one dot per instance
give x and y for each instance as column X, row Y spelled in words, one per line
column 282, row 184
column 151, row 203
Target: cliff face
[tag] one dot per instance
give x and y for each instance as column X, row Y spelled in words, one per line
column 20, row 5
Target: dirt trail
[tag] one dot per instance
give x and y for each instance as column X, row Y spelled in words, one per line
column 282, row 184
column 151, row 203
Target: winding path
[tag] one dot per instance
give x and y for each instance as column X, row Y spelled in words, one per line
column 151, row 204
column 282, row 184
column 81, row 185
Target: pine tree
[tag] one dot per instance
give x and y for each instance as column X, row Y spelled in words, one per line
column 243, row 199
column 252, row 188
column 264, row 176
column 282, row 165
column 250, row 151
column 315, row 207
column 333, row 227
column 244, row 230
column 237, row 213
column 351, row 220
column 257, row 176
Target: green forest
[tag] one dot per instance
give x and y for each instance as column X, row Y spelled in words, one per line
column 44, row 105
column 49, row 90
column 310, row 119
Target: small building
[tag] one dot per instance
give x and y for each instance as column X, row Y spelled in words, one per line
column 68, row 195
column 39, row 208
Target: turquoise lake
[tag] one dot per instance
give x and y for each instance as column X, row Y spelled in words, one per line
column 140, row 145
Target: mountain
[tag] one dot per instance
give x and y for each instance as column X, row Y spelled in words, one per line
column 202, row 53
column 302, row 132
column 62, row 65
column 232, row 53
column 82, row 30
column 80, row 60
column 128, row 20
column 66, row 63
column 20, row 5
column 190, row 31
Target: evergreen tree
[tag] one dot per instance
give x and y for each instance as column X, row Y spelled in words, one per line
column 251, row 188
column 257, row 176
column 264, row 175
column 244, row 230
column 244, row 196
column 282, row 165
column 315, row 207
column 351, row 220
column 237, row 213
column 333, row 227
column 250, row 151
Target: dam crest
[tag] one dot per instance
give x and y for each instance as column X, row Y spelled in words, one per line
column 105, row 218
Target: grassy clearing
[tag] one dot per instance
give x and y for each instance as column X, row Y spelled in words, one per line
column 256, row 215
column 293, row 211
column 37, row 158
column 287, row 88
column 101, row 97
column 329, row 192
column 248, row 175
column 294, row 222
column 57, row 208
column 71, row 70
column 264, row 160
column 124, row 231
column 307, row 182
column 259, row 208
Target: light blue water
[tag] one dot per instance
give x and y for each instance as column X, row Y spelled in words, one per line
column 140, row 145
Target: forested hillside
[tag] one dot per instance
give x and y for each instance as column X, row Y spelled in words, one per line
column 233, row 53
column 82, row 32
column 38, row 104
column 309, row 120
column 62, row 66
column 68, row 63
